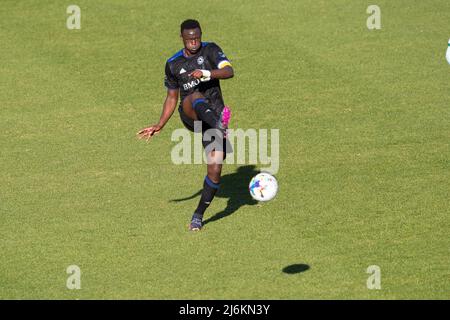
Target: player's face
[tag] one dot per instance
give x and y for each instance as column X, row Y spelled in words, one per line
column 192, row 39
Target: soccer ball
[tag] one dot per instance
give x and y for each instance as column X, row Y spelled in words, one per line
column 263, row 187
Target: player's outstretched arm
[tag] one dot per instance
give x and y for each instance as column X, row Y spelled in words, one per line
column 169, row 107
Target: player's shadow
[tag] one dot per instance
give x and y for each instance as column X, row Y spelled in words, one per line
column 233, row 186
column 296, row 268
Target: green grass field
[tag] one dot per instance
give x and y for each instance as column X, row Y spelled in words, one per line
column 364, row 152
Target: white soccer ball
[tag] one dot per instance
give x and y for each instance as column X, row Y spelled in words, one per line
column 447, row 55
column 263, row 187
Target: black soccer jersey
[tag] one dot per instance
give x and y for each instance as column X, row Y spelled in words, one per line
column 178, row 67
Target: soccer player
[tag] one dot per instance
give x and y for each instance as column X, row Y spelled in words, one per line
column 193, row 73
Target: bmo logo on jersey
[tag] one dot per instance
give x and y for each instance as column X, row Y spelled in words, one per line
column 191, row 84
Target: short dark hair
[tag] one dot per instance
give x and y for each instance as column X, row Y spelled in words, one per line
column 189, row 24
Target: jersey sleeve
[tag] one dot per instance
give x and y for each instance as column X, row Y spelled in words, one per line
column 169, row 80
column 217, row 57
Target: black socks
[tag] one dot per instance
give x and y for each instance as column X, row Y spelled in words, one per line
column 209, row 190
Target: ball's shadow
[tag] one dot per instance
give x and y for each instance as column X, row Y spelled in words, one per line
column 296, row 268
column 234, row 187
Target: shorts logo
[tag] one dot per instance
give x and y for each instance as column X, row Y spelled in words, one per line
column 200, row 60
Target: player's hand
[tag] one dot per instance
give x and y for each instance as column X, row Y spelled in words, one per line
column 147, row 133
column 197, row 74
column 203, row 75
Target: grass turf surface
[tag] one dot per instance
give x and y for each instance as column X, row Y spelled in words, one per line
column 364, row 152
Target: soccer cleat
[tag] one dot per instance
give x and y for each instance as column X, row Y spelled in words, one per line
column 225, row 117
column 196, row 222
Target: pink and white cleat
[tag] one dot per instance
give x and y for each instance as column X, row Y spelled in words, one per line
column 225, row 117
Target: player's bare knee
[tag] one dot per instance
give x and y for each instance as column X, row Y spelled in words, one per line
column 215, row 158
column 214, row 171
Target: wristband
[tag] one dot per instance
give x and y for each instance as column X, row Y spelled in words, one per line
column 206, row 75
